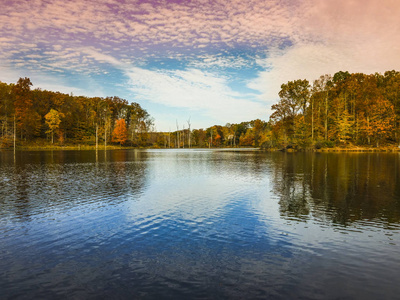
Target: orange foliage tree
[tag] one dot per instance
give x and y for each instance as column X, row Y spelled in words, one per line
column 120, row 133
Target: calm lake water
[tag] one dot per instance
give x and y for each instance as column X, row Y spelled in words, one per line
column 199, row 224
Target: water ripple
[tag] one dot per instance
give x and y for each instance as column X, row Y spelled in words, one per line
column 193, row 224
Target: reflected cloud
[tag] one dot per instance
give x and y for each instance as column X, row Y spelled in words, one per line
column 198, row 186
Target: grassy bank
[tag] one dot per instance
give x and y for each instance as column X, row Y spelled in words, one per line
column 391, row 148
column 360, row 149
column 44, row 145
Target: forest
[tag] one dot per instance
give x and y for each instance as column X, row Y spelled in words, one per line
column 343, row 110
column 346, row 109
column 28, row 116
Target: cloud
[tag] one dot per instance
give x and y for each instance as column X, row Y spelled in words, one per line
column 200, row 91
column 100, row 57
column 221, row 61
column 191, row 24
column 306, row 61
column 203, row 92
column 354, row 36
column 134, row 29
column 299, row 38
column 60, row 83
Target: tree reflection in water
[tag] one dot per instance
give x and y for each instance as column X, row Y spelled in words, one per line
column 338, row 187
column 39, row 181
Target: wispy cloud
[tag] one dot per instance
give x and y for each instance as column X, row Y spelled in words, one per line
column 186, row 24
column 194, row 89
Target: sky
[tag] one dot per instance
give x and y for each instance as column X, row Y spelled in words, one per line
column 213, row 62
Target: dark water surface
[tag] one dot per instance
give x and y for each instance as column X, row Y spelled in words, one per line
column 199, row 224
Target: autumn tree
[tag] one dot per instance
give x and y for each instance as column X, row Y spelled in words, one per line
column 320, row 105
column 257, row 128
column 139, row 123
column 390, row 85
column 247, row 139
column 382, row 120
column 294, row 97
column 27, row 119
column 53, row 120
column 120, row 132
column 345, row 125
column 6, row 112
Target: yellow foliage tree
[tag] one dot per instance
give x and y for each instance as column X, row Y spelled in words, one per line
column 53, row 120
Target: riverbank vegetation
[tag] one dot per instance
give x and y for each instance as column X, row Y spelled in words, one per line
column 351, row 112
column 32, row 118
column 344, row 111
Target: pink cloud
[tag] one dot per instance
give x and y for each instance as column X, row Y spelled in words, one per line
column 221, row 20
column 324, row 34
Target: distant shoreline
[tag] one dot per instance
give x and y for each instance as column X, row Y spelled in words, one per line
column 343, row 149
column 117, row 147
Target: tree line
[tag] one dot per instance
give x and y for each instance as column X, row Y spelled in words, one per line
column 28, row 115
column 244, row 134
column 346, row 109
column 340, row 110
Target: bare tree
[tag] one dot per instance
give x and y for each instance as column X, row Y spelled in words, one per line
column 183, row 136
column 177, row 134
column 97, row 137
column 189, row 133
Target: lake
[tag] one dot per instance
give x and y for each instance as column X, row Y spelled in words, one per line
column 199, row 224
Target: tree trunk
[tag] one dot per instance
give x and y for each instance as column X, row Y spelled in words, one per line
column 183, row 138
column 105, row 136
column 15, row 133
column 97, row 140
column 312, row 120
column 326, row 117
